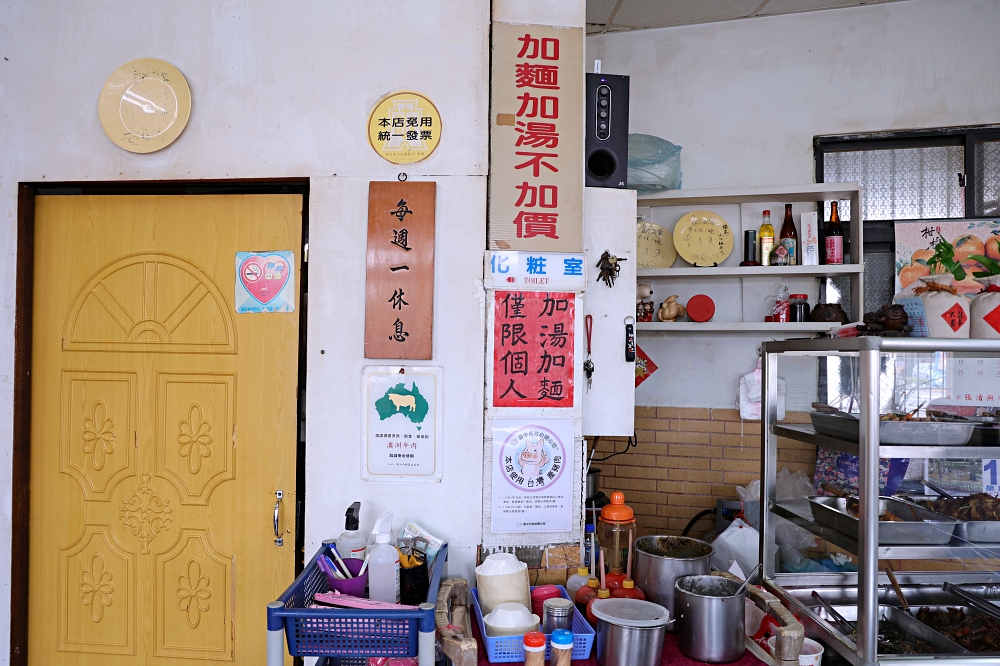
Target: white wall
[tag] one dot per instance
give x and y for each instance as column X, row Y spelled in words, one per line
column 280, row 89
column 745, row 99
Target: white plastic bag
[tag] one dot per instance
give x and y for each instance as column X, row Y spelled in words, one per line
column 654, row 164
column 793, row 541
column 740, row 543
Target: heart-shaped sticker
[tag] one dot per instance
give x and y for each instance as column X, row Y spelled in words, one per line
column 264, row 276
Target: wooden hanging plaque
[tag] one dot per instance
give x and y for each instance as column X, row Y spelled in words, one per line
column 399, row 290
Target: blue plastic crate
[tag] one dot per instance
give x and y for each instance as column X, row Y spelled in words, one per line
column 509, row 649
column 336, row 632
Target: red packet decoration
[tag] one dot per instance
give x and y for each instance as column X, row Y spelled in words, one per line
column 644, row 366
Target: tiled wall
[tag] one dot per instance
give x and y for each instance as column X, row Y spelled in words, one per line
column 685, row 460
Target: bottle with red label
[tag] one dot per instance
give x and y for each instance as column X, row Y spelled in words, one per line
column 834, row 237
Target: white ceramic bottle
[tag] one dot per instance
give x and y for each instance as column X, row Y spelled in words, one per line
column 985, row 310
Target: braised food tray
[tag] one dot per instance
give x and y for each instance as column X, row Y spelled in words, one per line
column 918, row 527
column 980, row 532
column 916, row 433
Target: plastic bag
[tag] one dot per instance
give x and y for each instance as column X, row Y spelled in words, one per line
column 654, row 164
column 792, row 486
column 739, row 543
column 751, row 493
column 392, row 661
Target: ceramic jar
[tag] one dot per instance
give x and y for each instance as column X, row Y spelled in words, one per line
column 985, row 310
column 947, row 313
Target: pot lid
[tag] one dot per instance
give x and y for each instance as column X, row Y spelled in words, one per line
column 617, row 511
column 631, row 612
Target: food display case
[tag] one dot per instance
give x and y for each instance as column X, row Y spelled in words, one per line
column 920, row 395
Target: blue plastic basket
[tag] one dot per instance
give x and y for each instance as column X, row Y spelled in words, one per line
column 508, row 649
column 340, row 633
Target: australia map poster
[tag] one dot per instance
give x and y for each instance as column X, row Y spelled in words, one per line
column 402, row 424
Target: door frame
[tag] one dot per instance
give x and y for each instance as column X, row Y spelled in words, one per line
column 23, row 320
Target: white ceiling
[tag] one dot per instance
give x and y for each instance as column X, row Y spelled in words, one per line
column 623, row 15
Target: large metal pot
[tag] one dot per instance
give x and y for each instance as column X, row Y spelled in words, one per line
column 661, row 560
column 630, row 632
column 593, row 482
column 710, row 619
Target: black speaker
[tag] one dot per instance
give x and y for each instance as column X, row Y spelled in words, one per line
column 606, row 154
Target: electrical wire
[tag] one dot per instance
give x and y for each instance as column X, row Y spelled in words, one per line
column 630, row 444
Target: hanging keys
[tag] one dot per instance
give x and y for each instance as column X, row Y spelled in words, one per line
column 629, row 340
column 588, row 365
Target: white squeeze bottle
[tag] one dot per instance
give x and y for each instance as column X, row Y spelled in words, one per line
column 383, row 563
column 351, row 543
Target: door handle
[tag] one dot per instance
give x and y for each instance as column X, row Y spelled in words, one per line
column 278, row 539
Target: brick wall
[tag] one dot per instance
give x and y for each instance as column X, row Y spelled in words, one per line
column 686, row 459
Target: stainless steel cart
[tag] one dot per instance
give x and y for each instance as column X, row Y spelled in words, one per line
column 864, row 591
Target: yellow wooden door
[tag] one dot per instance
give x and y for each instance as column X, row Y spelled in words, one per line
column 162, row 423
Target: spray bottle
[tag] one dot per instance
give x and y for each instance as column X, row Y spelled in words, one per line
column 351, row 543
column 383, row 563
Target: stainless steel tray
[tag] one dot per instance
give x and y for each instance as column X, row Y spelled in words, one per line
column 979, row 532
column 968, row 611
column 911, row 625
column 914, row 433
column 921, row 527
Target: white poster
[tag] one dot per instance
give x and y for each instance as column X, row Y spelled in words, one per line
column 402, row 424
column 533, row 484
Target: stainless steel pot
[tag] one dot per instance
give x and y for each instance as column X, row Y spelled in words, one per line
column 630, row 632
column 661, row 560
column 593, row 482
column 710, row 619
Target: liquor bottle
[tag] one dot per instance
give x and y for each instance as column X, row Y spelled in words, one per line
column 834, row 237
column 789, row 238
column 766, row 239
column 750, row 248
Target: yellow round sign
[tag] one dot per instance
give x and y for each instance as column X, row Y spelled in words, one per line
column 404, row 127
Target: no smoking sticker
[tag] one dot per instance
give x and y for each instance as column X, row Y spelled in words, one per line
column 265, row 281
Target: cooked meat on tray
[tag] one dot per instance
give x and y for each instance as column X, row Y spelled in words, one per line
column 977, row 633
column 974, row 507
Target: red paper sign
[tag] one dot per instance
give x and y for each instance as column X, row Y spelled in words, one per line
column 955, row 317
column 533, row 349
column 993, row 318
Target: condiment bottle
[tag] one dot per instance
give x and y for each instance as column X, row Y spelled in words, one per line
column 562, row 647
column 602, row 593
column 790, row 239
column 798, row 307
column 586, row 593
column 834, row 237
column 628, row 590
column 616, row 530
column 576, row 581
column 766, row 239
column 534, row 648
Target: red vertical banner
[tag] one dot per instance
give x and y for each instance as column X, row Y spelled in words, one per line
column 533, row 348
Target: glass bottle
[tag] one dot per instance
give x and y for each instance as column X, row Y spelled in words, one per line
column 766, row 239
column 789, row 238
column 834, row 237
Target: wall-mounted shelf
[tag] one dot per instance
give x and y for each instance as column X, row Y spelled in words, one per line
column 734, row 327
column 752, row 271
